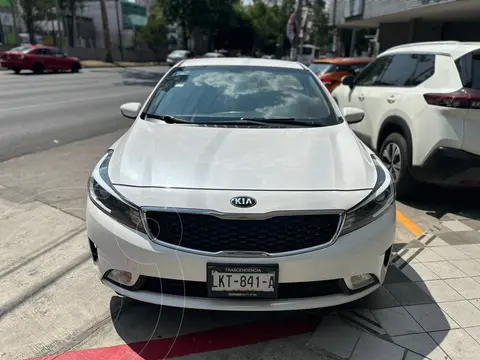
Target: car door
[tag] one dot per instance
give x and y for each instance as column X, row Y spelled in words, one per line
column 394, row 94
column 356, row 95
column 59, row 60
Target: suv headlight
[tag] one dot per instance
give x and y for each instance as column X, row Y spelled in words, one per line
column 106, row 198
column 375, row 204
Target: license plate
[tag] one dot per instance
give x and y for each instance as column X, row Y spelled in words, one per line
column 242, row 281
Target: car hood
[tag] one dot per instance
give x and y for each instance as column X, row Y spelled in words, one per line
column 200, row 157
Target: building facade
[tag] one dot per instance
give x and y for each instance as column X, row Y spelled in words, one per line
column 403, row 21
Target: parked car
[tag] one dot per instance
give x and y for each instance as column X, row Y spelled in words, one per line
column 241, row 187
column 332, row 70
column 178, row 55
column 422, row 105
column 39, row 58
column 213, row 55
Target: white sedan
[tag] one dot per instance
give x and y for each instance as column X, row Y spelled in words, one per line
column 240, row 186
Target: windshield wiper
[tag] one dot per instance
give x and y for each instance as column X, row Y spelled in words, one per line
column 169, row 119
column 281, row 121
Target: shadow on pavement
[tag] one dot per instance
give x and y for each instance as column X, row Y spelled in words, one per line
column 397, row 315
column 437, row 201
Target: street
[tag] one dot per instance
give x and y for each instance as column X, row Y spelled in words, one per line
column 53, row 130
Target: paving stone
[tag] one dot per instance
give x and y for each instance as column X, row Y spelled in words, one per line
column 445, row 270
column 473, row 237
column 447, row 239
column 419, row 272
column 431, row 317
column 472, row 250
column 474, row 224
column 412, row 356
column 476, row 302
column 450, row 253
column 474, row 332
column 414, row 244
column 421, row 344
column 464, row 313
column 467, row 287
column 395, row 275
column 409, row 294
column 335, row 336
column 364, row 320
column 456, row 225
column 469, row 267
column 439, row 290
column 397, row 321
column 379, row 299
column 370, row 347
column 457, row 344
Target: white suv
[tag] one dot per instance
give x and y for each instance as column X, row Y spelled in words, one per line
column 422, row 106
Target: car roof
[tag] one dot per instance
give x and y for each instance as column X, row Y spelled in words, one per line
column 342, row 60
column 240, row 61
column 454, row 49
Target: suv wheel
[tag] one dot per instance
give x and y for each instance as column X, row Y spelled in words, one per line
column 395, row 154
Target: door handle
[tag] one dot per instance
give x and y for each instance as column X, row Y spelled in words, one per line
column 391, row 99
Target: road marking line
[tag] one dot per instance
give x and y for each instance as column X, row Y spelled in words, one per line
column 409, row 224
column 65, row 102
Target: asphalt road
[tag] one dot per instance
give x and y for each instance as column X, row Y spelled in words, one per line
column 38, row 112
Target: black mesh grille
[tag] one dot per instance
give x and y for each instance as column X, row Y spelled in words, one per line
column 199, row 289
column 212, row 234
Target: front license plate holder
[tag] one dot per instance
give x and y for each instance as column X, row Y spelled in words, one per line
column 265, row 273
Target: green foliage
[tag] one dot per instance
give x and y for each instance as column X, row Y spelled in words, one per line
column 154, row 33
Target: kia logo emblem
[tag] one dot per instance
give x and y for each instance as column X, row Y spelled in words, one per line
column 243, row 201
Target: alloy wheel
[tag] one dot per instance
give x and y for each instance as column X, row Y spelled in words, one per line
column 392, row 158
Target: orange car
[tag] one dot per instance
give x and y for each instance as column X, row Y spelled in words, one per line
column 332, row 70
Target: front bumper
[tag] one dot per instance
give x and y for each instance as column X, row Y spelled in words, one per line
column 449, row 166
column 365, row 251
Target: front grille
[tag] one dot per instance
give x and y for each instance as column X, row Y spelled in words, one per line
column 199, row 289
column 213, row 234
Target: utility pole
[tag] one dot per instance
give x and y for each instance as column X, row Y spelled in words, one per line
column 106, row 32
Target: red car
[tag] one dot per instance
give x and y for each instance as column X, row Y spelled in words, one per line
column 38, row 58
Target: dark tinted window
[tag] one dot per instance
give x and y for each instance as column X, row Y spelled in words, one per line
column 372, row 73
column 344, row 68
column 224, row 93
column 407, row 70
column 469, row 70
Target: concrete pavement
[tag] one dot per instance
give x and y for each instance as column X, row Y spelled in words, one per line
column 52, row 303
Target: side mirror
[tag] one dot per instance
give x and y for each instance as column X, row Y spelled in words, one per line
column 353, row 115
column 348, row 80
column 130, row 110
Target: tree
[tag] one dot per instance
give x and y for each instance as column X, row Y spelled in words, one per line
column 320, row 30
column 154, row 33
column 34, row 10
column 265, row 21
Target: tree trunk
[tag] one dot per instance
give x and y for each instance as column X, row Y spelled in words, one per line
column 73, row 33
column 106, row 32
column 183, row 25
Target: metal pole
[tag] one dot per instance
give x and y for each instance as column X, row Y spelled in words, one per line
column 352, row 42
column 120, row 44
column 298, row 24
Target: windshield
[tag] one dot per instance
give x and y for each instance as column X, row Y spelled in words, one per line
column 230, row 93
column 321, row 68
column 23, row 49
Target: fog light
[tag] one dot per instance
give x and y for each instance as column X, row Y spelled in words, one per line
column 360, row 281
column 121, row 277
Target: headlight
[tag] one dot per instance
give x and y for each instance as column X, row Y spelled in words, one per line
column 375, row 205
column 107, row 199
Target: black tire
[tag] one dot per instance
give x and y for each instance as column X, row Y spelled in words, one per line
column 38, row 69
column 76, row 68
column 16, row 70
column 395, row 154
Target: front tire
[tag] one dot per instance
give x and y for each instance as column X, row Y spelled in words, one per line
column 76, row 68
column 17, row 70
column 395, row 154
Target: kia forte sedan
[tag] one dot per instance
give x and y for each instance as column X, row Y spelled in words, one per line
column 240, row 186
